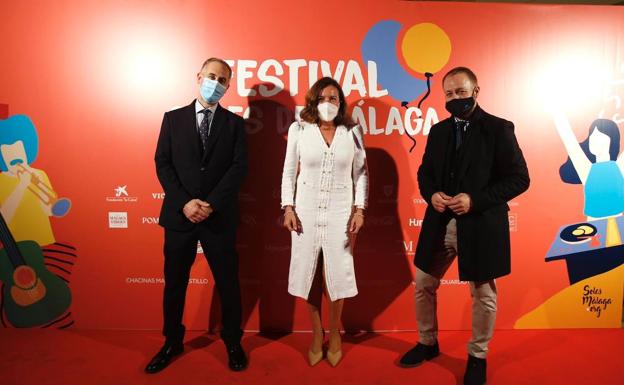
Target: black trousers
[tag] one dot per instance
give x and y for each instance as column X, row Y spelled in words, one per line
column 180, row 250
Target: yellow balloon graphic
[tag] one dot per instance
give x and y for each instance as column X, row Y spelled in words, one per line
column 426, row 47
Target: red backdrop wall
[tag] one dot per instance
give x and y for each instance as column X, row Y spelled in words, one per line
column 95, row 78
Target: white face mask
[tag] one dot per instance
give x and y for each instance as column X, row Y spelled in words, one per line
column 327, row 111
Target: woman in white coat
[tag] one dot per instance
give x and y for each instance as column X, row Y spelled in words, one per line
column 324, row 195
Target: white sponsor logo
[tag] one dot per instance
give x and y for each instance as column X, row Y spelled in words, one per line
column 118, row 220
column 158, row 195
column 149, row 220
column 121, row 195
column 410, row 247
column 121, row 190
column 513, row 222
column 414, row 222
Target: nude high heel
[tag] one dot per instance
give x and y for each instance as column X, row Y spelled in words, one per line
column 334, row 357
column 316, row 357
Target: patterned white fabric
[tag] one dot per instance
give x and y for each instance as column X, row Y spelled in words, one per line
column 323, row 183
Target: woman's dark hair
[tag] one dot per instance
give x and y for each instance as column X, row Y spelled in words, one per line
column 310, row 112
column 608, row 127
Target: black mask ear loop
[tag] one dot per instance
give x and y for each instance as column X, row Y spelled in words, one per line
column 428, row 75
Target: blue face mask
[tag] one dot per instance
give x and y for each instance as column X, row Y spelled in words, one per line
column 211, row 90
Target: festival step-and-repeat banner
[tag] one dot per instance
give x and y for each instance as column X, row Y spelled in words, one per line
column 84, row 85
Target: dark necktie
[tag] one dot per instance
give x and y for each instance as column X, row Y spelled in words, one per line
column 460, row 127
column 204, row 130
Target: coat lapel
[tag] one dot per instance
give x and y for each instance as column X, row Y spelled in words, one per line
column 215, row 131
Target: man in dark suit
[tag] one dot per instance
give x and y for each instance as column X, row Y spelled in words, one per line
column 471, row 168
column 201, row 160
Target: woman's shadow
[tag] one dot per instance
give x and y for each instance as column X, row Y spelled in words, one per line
column 381, row 257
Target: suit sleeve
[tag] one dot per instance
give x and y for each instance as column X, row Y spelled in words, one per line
column 291, row 164
column 165, row 170
column 360, row 170
column 426, row 183
column 229, row 185
column 510, row 173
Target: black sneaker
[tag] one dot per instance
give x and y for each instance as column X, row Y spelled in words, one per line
column 418, row 354
column 475, row 371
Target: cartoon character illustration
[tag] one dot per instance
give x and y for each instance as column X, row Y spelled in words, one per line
column 593, row 250
column 34, row 269
column 595, row 164
column 27, row 198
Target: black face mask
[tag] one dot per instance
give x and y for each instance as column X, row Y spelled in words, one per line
column 460, row 107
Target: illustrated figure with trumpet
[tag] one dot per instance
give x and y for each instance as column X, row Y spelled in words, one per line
column 27, row 199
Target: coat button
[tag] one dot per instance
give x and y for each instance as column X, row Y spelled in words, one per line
column 202, row 169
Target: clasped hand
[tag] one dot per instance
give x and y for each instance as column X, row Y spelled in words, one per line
column 196, row 210
column 460, row 204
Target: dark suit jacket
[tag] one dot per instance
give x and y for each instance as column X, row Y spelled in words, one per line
column 185, row 171
column 492, row 170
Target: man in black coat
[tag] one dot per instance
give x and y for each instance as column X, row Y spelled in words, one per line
column 471, row 168
column 201, row 161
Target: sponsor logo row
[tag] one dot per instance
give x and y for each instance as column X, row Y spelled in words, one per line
column 388, row 195
column 121, row 194
column 119, row 220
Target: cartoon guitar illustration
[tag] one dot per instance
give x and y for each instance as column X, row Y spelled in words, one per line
column 33, row 296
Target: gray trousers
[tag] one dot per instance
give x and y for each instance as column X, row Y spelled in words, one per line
column 483, row 299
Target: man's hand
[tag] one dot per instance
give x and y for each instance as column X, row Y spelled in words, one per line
column 460, row 203
column 196, row 210
column 439, row 201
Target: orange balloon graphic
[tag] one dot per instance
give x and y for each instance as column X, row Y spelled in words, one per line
column 426, row 47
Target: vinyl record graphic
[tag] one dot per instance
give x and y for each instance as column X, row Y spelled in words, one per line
column 578, row 233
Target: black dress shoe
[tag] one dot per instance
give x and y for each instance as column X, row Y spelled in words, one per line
column 418, row 354
column 237, row 360
column 475, row 371
column 164, row 357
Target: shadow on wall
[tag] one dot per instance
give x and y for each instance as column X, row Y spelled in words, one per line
column 263, row 244
column 382, row 267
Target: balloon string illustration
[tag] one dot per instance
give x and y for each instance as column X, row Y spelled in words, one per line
column 404, row 104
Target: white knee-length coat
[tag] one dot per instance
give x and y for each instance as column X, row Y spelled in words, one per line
column 323, row 184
